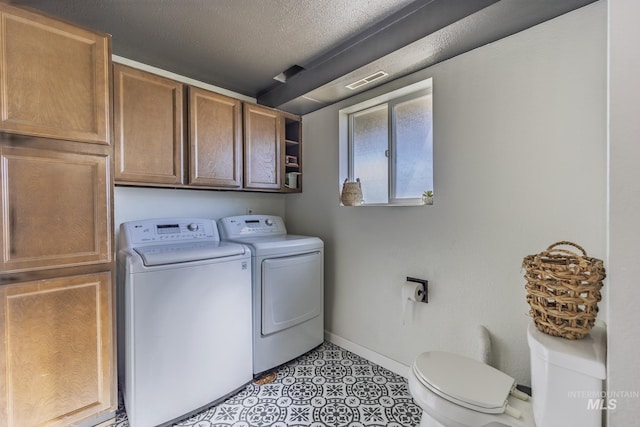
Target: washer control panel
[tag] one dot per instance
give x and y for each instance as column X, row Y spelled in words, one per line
column 169, row 230
column 251, row 225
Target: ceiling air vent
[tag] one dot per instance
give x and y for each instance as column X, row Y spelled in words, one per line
column 369, row 79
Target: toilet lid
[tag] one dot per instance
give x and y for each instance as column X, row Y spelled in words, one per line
column 464, row 381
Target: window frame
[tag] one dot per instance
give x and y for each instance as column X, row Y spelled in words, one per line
column 389, row 102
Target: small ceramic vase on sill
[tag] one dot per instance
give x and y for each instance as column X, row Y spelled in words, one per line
column 427, row 197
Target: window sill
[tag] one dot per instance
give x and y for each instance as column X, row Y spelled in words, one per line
column 412, row 203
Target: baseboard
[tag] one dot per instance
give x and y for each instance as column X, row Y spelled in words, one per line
column 377, row 358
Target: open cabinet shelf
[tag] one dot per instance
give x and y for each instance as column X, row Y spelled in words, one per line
column 292, row 153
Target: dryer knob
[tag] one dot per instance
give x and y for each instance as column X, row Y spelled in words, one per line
column 192, row 227
column 268, row 221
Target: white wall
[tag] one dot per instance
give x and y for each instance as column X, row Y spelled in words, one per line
column 133, row 203
column 624, row 227
column 520, row 163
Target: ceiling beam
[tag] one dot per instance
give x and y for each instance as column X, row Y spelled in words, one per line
column 413, row 22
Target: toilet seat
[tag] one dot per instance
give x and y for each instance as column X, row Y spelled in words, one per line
column 463, row 381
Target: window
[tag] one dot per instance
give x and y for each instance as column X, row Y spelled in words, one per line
column 390, row 147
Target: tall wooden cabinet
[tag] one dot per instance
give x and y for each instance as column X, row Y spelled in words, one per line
column 57, row 342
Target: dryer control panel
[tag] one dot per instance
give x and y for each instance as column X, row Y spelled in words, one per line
column 169, row 230
column 251, row 225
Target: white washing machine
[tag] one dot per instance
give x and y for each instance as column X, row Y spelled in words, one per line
column 184, row 318
column 288, row 288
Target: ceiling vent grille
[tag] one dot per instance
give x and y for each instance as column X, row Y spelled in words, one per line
column 369, row 79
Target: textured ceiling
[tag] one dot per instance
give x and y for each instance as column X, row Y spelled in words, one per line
column 240, row 45
column 236, row 44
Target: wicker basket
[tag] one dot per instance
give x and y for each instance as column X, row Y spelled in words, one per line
column 351, row 193
column 563, row 290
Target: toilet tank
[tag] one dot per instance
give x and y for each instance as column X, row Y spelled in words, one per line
column 567, row 378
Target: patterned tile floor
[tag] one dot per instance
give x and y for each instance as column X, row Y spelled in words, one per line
column 328, row 386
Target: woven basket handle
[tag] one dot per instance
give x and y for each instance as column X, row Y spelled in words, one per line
column 564, row 242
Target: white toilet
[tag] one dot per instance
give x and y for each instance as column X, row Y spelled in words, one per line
column 567, row 378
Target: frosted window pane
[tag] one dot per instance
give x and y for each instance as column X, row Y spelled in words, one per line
column 414, row 147
column 370, row 142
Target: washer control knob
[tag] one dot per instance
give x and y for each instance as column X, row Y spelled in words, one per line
column 268, row 222
column 192, row 227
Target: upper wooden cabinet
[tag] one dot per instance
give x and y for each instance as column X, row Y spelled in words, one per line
column 262, row 148
column 55, row 209
column 56, row 351
column 229, row 144
column 215, row 139
column 148, row 122
column 54, row 78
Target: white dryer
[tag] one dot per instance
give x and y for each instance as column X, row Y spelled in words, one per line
column 184, row 318
column 288, row 288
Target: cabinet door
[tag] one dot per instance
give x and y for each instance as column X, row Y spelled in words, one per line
column 56, row 352
column 55, row 78
column 262, row 142
column 148, row 121
column 54, row 208
column 215, row 139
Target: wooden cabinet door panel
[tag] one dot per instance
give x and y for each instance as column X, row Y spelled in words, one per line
column 55, row 209
column 262, row 143
column 148, row 121
column 54, row 78
column 56, row 351
column 215, row 139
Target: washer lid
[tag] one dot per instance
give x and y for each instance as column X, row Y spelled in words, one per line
column 185, row 252
column 464, row 381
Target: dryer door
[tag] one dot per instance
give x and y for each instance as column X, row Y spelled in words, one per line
column 292, row 290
